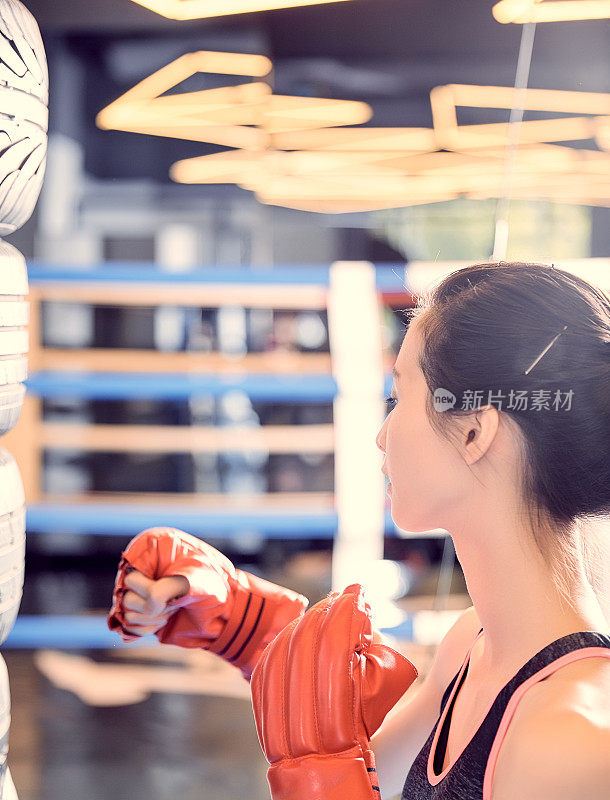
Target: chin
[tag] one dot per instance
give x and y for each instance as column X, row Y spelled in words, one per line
column 411, row 522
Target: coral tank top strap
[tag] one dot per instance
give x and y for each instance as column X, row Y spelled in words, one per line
column 470, row 776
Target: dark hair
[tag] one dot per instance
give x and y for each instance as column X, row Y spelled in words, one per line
column 483, row 326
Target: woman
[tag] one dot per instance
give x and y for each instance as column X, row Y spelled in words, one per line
column 512, row 484
column 522, row 680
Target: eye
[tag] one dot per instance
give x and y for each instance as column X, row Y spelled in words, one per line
column 390, row 403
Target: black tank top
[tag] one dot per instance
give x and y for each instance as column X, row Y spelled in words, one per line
column 472, row 771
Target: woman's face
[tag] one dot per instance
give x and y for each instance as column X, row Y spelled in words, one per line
column 426, row 473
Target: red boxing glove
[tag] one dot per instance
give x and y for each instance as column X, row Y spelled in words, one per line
column 319, row 692
column 227, row 611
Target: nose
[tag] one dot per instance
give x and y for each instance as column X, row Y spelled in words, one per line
column 380, row 438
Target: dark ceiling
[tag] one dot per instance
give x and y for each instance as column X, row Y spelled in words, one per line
column 380, row 29
column 389, row 53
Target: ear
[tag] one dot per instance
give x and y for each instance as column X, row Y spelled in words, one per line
column 478, row 432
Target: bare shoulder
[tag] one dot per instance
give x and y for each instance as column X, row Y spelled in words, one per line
column 453, row 648
column 558, row 742
column 582, row 687
column 560, row 755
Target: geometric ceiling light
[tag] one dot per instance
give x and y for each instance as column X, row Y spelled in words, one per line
column 541, row 170
column 146, row 108
column 339, row 173
column 554, row 100
column 284, row 114
column 243, row 167
column 243, row 116
column 200, row 9
column 523, row 11
column 298, row 153
column 363, row 140
column 329, row 181
column 466, row 138
column 343, row 190
column 445, row 100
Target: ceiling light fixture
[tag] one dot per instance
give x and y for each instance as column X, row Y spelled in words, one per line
column 450, row 135
column 523, row 11
column 294, row 152
column 200, row 9
column 242, row 116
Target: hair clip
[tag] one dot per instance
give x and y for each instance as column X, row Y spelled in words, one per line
column 546, row 349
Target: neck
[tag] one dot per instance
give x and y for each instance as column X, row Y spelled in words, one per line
column 520, row 606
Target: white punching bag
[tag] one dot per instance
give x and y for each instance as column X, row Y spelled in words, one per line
column 24, row 95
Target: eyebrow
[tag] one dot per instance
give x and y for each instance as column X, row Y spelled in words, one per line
column 395, row 373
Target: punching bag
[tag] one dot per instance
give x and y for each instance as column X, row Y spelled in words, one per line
column 24, row 94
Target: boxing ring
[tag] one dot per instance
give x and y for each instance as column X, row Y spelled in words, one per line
column 275, row 377
column 356, row 516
